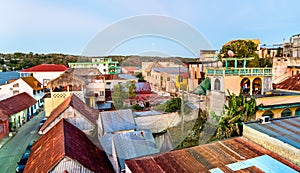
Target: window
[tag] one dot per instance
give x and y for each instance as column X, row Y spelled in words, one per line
column 286, row 113
column 180, row 79
column 15, row 92
column 268, row 113
column 16, row 85
column 34, row 92
column 101, row 93
column 168, row 79
column 217, row 85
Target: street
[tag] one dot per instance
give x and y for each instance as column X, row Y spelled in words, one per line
column 12, row 151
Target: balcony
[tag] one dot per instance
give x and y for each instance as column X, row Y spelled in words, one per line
column 239, row 71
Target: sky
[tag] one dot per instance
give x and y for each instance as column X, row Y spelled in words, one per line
column 69, row 26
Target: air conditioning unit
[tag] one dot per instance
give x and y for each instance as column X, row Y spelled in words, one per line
column 265, row 120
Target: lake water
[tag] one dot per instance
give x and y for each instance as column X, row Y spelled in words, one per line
column 6, row 76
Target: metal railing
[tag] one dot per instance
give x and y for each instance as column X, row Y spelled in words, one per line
column 239, row 71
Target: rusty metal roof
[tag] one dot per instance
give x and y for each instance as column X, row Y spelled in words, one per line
column 17, row 103
column 65, row 140
column 285, row 129
column 292, row 83
column 75, row 102
column 237, row 154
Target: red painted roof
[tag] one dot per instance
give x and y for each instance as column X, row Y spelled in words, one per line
column 75, row 102
column 66, row 141
column 46, row 68
column 17, row 103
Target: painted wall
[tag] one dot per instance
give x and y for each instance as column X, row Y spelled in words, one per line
column 4, row 128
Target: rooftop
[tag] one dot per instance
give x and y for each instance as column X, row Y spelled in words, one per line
column 118, row 120
column 171, row 70
column 65, row 140
column 17, row 103
column 285, row 129
column 75, row 102
column 32, row 82
column 237, row 154
column 292, row 83
column 46, row 68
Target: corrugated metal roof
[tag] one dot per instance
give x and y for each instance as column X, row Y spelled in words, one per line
column 143, row 87
column 171, row 70
column 134, row 144
column 17, row 103
column 65, row 140
column 119, row 120
column 284, row 129
column 239, row 154
column 77, row 104
column 292, row 83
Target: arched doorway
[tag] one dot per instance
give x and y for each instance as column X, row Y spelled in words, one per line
column 297, row 112
column 256, row 86
column 268, row 113
column 245, row 86
column 217, row 85
column 286, row 113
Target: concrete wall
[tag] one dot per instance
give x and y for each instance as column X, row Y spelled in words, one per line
column 283, row 149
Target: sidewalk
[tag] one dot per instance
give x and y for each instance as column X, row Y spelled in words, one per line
column 9, row 137
column 5, row 140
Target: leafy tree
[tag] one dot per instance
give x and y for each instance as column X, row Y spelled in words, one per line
column 141, row 77
column 137, row 107
column 119, row 95
column 241, row 49
column 173, row 105
column 239, row 110
column 130, row 85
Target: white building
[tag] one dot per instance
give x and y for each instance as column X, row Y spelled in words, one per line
column 44, row 72
column 30, row 85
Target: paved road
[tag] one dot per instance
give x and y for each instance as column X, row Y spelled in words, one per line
column 12, row 151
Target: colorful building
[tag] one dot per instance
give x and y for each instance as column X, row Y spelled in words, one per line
column 104, row 65
column 19, row 108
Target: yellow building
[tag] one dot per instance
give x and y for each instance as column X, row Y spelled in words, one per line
column 251, row 81
column 181, row 81
column 278, row 106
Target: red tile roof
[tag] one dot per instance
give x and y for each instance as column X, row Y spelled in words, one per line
column 75, row 102
column 17, row 103
column 292, row 83
column 130, row 68
column 46, row 68
column 65, row 140
column 206, row 157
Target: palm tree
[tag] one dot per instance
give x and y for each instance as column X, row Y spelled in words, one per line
column 238, row 110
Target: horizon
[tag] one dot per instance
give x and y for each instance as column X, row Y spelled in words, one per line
column 68, row 27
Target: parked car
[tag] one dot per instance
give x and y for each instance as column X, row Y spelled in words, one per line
column 28, row 148
column 22, row 163
column 42, row 122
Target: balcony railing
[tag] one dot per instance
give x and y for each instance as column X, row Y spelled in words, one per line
column 239, row 71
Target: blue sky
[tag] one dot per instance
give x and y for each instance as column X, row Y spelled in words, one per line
column 55, row 26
